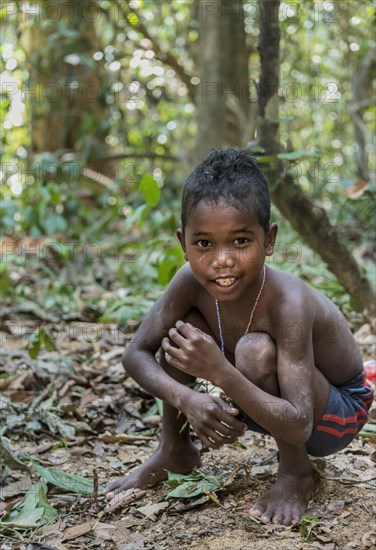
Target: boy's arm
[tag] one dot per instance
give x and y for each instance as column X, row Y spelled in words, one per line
column 211, row 418
column 290, row 416
column 139, row 356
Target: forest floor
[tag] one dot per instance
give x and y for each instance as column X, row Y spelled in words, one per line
column 76, row 410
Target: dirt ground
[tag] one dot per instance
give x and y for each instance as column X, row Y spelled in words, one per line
column 87, row 384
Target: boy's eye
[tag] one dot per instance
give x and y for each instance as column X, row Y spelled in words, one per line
column 241, row 240
column 203, row 243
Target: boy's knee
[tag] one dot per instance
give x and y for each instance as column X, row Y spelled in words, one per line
column 256, row 353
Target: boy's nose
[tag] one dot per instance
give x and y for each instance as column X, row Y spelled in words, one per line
column 224, row 258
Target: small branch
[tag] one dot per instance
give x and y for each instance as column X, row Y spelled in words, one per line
column 70, row 157
column 169, row 59
column 99, row 178
column 145, row 155
column 165, row 57
column 355, row 106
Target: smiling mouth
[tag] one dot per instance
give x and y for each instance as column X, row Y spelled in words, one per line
column 226, row 281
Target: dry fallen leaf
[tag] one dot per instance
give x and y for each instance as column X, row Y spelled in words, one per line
column 122, row 499
column 369, row 539
column 17, row 487
column 152, row 510
column 124, row 539
column 78, row 530
column 104, row 530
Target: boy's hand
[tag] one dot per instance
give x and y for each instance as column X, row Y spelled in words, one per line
column 191, row 350
column 213, row 420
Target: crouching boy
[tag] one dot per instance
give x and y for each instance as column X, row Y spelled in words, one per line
column 280, row 350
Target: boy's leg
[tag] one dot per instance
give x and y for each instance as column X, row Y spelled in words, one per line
column 175, row 451
column 287, row 500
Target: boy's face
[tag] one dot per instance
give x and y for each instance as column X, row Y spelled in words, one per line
column 226, row 249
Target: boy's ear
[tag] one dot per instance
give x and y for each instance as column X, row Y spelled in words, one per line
column 181, row 238
column 270, row 239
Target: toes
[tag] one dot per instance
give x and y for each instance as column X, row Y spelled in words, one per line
column 255, row 512
column 266, row 517
column 278, row 519
column 295, row 519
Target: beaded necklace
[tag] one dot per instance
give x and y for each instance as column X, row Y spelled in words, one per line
column 250, row 317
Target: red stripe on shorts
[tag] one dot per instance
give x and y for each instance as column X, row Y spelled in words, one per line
column 337, row 433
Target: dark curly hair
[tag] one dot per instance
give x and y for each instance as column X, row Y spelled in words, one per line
column 231, row 175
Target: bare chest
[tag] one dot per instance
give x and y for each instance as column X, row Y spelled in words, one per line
column 229, row 325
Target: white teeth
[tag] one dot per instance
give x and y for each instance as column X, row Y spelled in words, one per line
column 226, row 282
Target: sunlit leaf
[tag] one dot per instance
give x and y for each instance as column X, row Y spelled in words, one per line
column 150, row 190
column 296, row 155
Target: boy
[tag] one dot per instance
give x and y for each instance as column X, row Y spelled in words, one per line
column 280, row 350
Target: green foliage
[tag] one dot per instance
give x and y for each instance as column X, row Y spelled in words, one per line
column 4, row 279
column 34, row 512
column 39, row 340
column 77, row 485
column 307, row 524
column 191, row 485
column 150, row 190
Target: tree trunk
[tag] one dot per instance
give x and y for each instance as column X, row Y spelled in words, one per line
column 309, row 220
column 222, row 95
column 361, row 86
column 65, row 88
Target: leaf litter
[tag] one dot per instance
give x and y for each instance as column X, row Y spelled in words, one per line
column 72, row 420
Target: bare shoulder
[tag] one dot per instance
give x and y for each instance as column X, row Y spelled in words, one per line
column 179, row 298
column 184, row 287
column 300, row 300
column 304, row 318
column 291, row 297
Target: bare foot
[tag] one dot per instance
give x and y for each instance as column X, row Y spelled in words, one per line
column 155, row 469
column 285, row 502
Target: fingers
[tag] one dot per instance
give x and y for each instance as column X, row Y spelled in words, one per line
column 176, row 337
column 214, row 439
column 186, row 329
column 225, row 427
column 174, row 362
column 229, row 431
column 170, row 350
column 190, row 332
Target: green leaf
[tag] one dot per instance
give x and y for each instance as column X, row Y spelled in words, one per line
column 53, row 223
column 34, row 349
column 40, row 339
column 191, row 485
column 133, row 19
column 4, row 279
column 68, row 482
column 165, row 269
column 257, row 149
column 56, row 424
column 296, row 155
column 307, row 523
column 150, row 190
column 159, row 403
column 266, row 158
column 138, row 216
column 35, row 510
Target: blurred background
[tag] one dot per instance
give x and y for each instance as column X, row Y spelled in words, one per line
column 108, row 105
